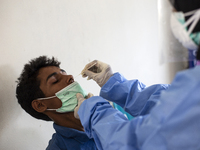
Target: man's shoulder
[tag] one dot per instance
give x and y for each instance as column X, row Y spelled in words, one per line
column 53, row 143
column 70, row 139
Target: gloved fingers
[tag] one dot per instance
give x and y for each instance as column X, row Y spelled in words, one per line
column 83, row 75
column 79, row 97
column 98, row 71
column 89, row 95
column 95, row 66
column 89, row 74
column 101, row 66
column 88, row 66
column 103, row 77
column 89, row 78
column 76, row 112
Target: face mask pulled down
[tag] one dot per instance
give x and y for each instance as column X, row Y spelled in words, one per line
column 68, row 97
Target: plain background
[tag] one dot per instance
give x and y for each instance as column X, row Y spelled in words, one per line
column 133, row 36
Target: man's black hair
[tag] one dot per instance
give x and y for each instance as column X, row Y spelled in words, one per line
column 28, row 85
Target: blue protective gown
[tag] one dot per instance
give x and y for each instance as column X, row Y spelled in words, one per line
column 172, row 124
column 70, row 139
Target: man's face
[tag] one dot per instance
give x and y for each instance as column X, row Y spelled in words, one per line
column 53, row 79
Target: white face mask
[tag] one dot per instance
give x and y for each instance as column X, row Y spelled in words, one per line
column 178, row 25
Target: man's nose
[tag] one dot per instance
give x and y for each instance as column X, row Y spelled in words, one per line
column 68, row 79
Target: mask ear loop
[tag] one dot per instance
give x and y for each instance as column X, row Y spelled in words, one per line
column 194, row 19
column 46, row 98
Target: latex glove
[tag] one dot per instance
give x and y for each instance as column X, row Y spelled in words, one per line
column 80, row 101
column 98, row 71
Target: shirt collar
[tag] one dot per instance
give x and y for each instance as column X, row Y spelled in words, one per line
column 71, row 133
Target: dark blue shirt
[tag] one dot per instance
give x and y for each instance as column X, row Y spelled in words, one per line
column 70, row 139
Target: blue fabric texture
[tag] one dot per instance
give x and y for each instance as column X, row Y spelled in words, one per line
column 133, row 95
column 70, row 139
column 166, row 117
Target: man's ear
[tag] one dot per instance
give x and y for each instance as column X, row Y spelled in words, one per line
column 39, row 106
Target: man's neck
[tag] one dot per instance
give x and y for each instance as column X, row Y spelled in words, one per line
column 66, row 120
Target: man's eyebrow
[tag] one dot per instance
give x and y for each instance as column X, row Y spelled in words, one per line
column 51, row 75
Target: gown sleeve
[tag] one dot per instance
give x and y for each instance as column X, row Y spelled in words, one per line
column 173, row 123
column 132, row 95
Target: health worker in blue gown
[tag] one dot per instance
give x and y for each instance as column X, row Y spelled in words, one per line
column 166, row 117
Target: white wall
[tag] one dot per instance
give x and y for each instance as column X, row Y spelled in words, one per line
column 130, row 35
